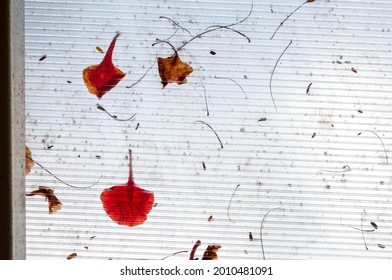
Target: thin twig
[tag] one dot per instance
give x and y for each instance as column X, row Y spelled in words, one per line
column 148, row 70
column 177, row 24
column 166, row 42
column 114, row 116
column 205, row 99
column 280, row 25
column 346, row 168
column 379, row 138
column 214, row 28
column 216, row 134
column 261, row 230
column 65, row 183
column 179, row 252
column 228, row 207
column 365, row 230
column 234, row 82
column 168, row 38
column 363, row 235
column 272, row 74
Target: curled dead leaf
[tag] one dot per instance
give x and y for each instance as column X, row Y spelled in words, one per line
column 29, row 160
column 173, row 70
column 210, row 252
column 48, row 194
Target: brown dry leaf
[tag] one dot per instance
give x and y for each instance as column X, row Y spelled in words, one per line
column 29, row 160
column 173, row 70
column 210, row 252
column 71, row 256
column 210, row 218
column 54, row 202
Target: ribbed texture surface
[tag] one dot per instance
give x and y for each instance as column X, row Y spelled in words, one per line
column 319, row 159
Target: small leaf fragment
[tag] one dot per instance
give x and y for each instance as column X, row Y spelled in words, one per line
column 29, row 160
column 42, row 57
column 313, row 135
column 354, row 70
column 308, row 88
column 210, row 252
column 212, row 53
column 71, row 256
column 204, row 165
column 250, row 236
column 382, row 246
column 99, row 49
column 210, row 218
column 374, row 225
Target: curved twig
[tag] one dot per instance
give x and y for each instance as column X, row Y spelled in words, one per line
column 166, row 42
column 228, row 207
column 179, row 252
column 216, row 134
column 60, row 180
column 148, row 70
column 234, row 82
column 177, row 24
column 205, row 98
column 382, row 143
column 261, row 230
column 272, row 74
column 346, row 168
column 114, row 116
column 216, row 27
column 208, row 30
column 280, row 25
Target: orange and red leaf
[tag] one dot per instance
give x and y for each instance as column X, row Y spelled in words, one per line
column 101, row 78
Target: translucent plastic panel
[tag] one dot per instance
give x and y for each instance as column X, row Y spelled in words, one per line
column 272, row 148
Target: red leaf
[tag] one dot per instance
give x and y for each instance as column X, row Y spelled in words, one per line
column 100, row 79
column 127, row 204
